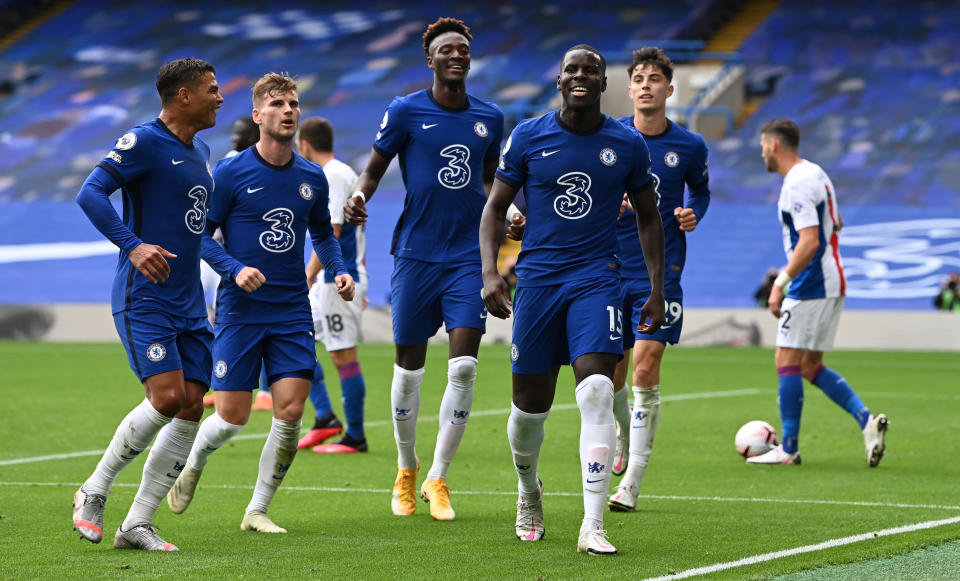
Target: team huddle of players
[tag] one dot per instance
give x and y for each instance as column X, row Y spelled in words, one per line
column 608, row 203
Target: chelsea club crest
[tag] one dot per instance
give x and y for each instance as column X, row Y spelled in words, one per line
column 608, row 157
column 306, row 192
column 480, row 129
column 672, row 159
column 156, row 352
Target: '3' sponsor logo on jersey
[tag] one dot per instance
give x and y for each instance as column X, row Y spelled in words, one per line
column 576, row 202
column 456, row 174
column 280, row 237
column 196, row 216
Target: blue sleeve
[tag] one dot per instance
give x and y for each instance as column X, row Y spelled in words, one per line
column 496, row 134
column 94, row 199
column 641, row 171
column 211, row 251
column 698, row 182
column 393, row 135
column 513, row 164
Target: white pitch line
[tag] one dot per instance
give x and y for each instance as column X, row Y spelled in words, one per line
column 552, row 493
column 805, row 549
column 379, row 423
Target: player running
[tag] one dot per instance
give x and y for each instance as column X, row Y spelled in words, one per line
column 574, row 166
column 679, row 159
column 265, row 199
column 448, row 142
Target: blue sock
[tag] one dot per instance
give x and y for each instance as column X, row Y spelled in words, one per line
column 354, row 389
column 835, row 386
column 791, row 405
column 318, row 393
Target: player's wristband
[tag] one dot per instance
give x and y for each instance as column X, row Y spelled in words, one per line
column 512, row 211
column 783, row 279
column 361, row 194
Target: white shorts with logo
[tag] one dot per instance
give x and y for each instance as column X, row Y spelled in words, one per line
column 809, row 324
column 337, row 323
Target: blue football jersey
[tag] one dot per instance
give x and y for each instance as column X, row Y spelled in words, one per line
column 442, row 152
column 573, row 185
column 165, row 185
column 264, row 211
column 679, row 158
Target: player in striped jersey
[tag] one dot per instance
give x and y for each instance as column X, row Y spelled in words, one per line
column 809, row 310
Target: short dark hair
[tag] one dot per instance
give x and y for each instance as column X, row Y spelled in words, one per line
column 588, row 48
column 175, row 74
column 784, row 130
column 654, row 56
column 444, row 25
column 318, row 132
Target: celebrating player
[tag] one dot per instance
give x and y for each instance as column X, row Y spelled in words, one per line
column 678, row 157
column 448, row 143
column 337, row 323
column 266, row 197
column 574, row 166
column 809, row 311
column 163, row 171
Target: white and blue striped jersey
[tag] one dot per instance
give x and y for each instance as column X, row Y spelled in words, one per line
column 807, row 199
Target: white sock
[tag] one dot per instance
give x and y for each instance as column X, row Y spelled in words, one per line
column 454, row 413
column 167, row 458
column 525, row 432
column 275, row 460
column 405, row 398
column 643, row 427
column 598, row 436
column 133, row 435
column 621, row 409
column 214, row 433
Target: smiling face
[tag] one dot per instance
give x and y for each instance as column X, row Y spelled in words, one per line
column 450, row 57
column 203, row 100
column 278, row 115
column 582, row 79
column 649, row 88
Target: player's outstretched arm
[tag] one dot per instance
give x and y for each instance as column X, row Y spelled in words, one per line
column 650, row 228
column 496, row 293
column 355, row 210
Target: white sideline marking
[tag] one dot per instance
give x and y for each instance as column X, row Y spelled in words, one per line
column 514, row 492
column 379, row 423
column 805, row 549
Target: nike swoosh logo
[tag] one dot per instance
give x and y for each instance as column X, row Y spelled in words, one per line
column 546, row 153
column 401, row 419
column 254, row 190
column 425, row 126
column 615, row 337
column 453, row 423
column 483, row 316
column 172, row 475
column 533, row 533
column 594, row 481
column 175, row 162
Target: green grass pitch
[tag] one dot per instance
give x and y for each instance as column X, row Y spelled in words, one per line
column 701, row 505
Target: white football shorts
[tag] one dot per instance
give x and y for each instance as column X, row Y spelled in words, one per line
column 337, row 323
column 809, row 324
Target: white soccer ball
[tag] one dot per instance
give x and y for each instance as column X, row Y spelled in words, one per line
column 755, row 437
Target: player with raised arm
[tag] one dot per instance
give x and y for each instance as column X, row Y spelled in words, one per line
column 266, row 197
column 163, row 172
column 337, row 323
column 679, row 160
column 574, row 166
column 448, row 142
column 809, row 311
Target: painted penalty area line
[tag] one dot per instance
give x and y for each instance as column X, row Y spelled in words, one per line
column 380, row 423
column 806, row 549
column 577, row 494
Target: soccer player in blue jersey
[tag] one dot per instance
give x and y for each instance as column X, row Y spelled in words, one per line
column 448, row 142
column 265, row 199
column 809, row 310
column 574, row 166
column 337, row 323
column 163, row 171
column 679, row 160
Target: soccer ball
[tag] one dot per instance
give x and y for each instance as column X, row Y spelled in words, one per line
column 754, row 438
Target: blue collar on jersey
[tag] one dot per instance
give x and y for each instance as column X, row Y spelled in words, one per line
column 287, row 165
